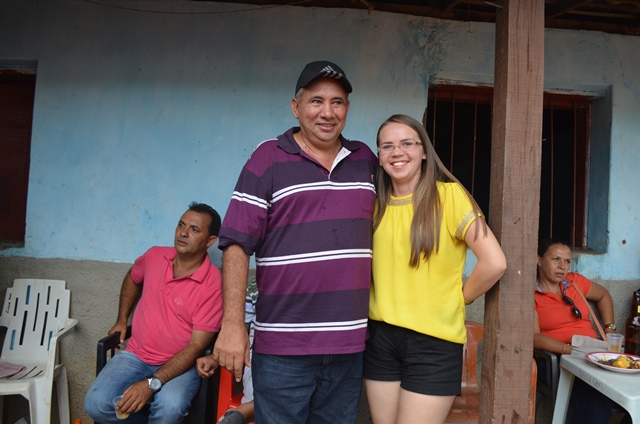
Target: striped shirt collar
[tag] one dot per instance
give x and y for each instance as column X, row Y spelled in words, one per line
column 287, row 143
column 564, row 282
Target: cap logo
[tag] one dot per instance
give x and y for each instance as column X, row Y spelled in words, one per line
column 328, row 72
column 322, row 69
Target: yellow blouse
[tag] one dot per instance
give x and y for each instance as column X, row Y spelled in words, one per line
column 427, row 299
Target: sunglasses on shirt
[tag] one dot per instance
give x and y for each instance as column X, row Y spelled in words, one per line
column 574, row 309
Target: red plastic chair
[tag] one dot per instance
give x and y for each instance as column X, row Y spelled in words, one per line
column 466, row 408
column 226, row 397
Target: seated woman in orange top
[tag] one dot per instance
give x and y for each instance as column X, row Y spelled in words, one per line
column 561, row 313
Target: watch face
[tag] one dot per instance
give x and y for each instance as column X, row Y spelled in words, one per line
column 155, row 383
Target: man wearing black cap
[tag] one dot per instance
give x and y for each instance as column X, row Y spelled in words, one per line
column 303, row 204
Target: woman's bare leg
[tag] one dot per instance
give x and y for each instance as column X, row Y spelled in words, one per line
column 384, row 400
column 416, row 408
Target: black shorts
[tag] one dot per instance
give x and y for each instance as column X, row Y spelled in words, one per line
column 423, row 364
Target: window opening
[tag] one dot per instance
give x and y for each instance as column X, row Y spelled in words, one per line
column 17, row 91
column 458, row 120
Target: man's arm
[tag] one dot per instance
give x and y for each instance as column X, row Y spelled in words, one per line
column 129, row 295
column 136, row 395
column 231, row 350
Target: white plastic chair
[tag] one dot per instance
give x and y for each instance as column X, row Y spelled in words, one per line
column 36, row 315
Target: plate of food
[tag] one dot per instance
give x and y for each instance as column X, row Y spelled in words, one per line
column 618, row 362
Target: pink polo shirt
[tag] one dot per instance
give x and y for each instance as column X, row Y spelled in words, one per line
column 170, row 308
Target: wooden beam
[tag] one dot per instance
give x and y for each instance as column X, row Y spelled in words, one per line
column 447, row 5
column 562, row 7
column 514, row 207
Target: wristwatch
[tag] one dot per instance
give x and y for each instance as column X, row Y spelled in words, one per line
column 610, row 326
column 155, row 383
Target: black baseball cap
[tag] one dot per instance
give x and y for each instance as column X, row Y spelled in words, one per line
column 322, row 69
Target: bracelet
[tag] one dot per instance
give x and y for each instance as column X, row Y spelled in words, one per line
column 564, row 347
column 468, row 302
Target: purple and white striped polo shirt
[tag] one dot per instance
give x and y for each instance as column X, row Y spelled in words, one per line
column 310, row 230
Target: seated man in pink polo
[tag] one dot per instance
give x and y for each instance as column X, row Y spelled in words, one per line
column 179, row 310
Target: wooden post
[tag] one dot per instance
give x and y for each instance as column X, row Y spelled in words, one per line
column 514, row 209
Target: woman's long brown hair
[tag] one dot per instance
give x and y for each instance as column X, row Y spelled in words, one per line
column 427, row 207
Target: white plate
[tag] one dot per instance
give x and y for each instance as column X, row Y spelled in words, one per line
column 596, row 357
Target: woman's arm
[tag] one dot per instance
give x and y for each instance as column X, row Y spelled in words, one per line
column 541, row 341
column 491, row 261
column 604, row 302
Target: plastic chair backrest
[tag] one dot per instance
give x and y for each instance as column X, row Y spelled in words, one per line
column 475, row 334
column 107, row 347
column 548, row 373
column 36, row 316
column 34, row 312
column 227, row 398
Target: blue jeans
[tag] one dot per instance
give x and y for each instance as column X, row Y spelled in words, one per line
column 169, row 405
column 588, row 406
column 310, row 389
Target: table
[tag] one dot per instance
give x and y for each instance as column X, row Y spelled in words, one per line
column 619, row 387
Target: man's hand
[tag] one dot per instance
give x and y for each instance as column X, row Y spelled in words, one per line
column 231, row 350
column 119, row 328
column 206, row 366
column 135, row 397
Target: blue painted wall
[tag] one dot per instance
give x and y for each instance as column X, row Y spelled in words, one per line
column 144, row 106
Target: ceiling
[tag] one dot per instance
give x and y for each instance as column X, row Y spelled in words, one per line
column 611, row 16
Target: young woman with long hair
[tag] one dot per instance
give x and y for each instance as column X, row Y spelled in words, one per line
column 424, row 222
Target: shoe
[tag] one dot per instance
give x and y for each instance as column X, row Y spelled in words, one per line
column 232, row 417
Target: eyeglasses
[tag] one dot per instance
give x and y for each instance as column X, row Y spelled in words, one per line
column 405, row 146
column 574, row 309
